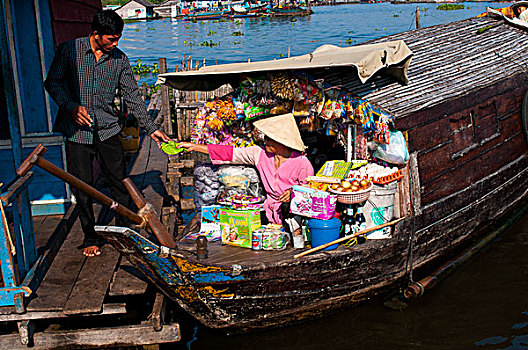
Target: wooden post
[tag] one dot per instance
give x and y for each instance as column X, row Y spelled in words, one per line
column 289, row 51
column 418, row 17
column 153, row 221
column 308, row 7
column 165, row 104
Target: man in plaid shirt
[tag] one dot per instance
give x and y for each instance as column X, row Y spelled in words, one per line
column 82, row 80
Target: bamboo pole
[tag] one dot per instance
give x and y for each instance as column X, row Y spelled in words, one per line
column 339, row 240
column 418, row 26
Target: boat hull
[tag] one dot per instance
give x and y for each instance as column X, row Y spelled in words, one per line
column 242, row 297
column 467, row 172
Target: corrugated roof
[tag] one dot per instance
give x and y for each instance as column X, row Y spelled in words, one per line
column 449, row 60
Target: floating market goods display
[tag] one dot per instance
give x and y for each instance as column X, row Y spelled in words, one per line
column 213, row 184
column 270, row 237
column 227, row 120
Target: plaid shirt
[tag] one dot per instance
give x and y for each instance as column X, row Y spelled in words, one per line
column 76, row 78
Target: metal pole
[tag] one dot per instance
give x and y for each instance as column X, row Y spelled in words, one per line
column 349, row 143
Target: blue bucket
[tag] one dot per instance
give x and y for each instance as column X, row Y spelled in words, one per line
column 324, row 231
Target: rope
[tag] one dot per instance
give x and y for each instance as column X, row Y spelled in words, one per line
column 143, row 212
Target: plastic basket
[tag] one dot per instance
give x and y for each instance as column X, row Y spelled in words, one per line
column 383, row 180
column 352, row 197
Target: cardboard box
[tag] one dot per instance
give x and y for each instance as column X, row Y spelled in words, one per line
column 210, row 214
column 241, row 224
column 211, row 231
column 312, row 203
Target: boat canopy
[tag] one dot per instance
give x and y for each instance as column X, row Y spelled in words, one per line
column 509, row 14
column 367, row 59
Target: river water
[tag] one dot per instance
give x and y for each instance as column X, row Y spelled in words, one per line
column 269, row 38
column 483, row 305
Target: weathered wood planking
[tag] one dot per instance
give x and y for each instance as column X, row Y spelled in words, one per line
column 127, row 281
column 92, row 283
column 56, row 286
column 97, row 337
column 439, row 72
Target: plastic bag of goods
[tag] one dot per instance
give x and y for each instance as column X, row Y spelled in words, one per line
column 206, row 184
column 395, row 152
column 240, row 176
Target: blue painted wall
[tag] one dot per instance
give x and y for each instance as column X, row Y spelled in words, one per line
column 29, row 67
column 33, row 55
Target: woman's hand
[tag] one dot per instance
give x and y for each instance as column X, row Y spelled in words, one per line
column 194, row 147
column 187, row 145
column 285, row 197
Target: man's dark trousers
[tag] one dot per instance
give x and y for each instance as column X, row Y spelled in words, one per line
column 109, row 154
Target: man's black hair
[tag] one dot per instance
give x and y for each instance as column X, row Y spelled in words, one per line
column 107, row 22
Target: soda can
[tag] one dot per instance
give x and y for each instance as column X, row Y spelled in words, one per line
column 256, row 239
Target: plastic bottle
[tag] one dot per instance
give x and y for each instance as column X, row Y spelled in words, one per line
column 349, row 222
column 361, row 223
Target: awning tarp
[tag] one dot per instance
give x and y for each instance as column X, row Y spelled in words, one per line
column 368, row 60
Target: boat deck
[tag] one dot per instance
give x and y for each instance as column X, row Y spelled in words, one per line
column 106, row 291
column 227, row 256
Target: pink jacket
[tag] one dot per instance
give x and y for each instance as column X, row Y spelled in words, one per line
column 276, row 181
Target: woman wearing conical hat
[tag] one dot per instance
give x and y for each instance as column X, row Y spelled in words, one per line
column 280, row 162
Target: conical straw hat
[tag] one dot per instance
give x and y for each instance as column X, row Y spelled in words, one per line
column 282, row 129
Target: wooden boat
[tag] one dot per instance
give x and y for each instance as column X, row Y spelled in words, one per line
column 465, row 110
column 249, row 8
column 288, row 11
column 205, row 15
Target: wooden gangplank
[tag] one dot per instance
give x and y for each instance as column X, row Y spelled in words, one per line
column 75, row 285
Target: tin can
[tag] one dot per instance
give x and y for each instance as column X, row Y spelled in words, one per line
column 256, row 239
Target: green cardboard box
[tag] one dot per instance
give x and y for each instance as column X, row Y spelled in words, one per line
column 241, row 224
